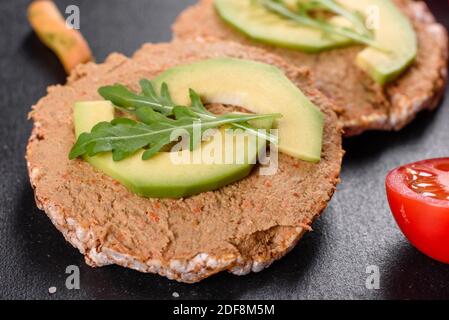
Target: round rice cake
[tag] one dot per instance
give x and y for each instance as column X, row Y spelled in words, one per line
column 362, row 104
column 242, row 227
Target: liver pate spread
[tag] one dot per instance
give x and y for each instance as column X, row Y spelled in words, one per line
column 242, row 227
column 362, row 104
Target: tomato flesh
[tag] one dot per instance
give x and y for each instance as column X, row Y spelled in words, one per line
column 418, row 194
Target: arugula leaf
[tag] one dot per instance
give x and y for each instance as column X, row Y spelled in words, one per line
column 340, row 10
column 197, row 105
column 303, row 18
column 133, row 103
column 120, row 96
column 160, row 121
column 123, row 136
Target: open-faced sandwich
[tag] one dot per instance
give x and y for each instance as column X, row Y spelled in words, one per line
column 102, row 158
column 382, row 61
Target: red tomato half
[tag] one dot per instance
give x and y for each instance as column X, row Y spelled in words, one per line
column 418, row 194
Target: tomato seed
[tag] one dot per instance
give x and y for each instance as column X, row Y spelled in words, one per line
column 426, row 183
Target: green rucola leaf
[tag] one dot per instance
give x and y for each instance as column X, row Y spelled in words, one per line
column 121, row 96
column 123, row 137
column 196, row 103
column 155, row 129
column 303, row 18
column 165, row 95
column 136, row 104
column 352, row 17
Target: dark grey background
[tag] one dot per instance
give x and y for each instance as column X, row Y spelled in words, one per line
column 356, row 231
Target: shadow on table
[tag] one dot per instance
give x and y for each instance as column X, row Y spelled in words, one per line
column 48, row 254
column 40, row 250
column 281, row 278
column 409, row 274
column 42, row 59
column 280, row 281
column 363, row 148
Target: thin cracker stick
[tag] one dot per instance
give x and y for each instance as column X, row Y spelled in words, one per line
column 50, row 26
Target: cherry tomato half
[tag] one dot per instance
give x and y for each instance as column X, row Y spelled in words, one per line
column 418, row 194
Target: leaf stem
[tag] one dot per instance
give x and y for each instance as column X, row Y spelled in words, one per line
column 210, row 124
column 127, row 101
column 307, row 21
column 338, row 9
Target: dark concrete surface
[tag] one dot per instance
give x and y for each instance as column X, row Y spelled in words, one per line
column 356, row 231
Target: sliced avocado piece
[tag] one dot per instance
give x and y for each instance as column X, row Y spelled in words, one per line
column 395, row 34
column 160, row 176
column 258, row 23
column 258, row 87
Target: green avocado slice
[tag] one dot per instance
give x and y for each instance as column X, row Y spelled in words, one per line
column 393, row 32
column 258, row 87
column 260, row 24
column 164, row 176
